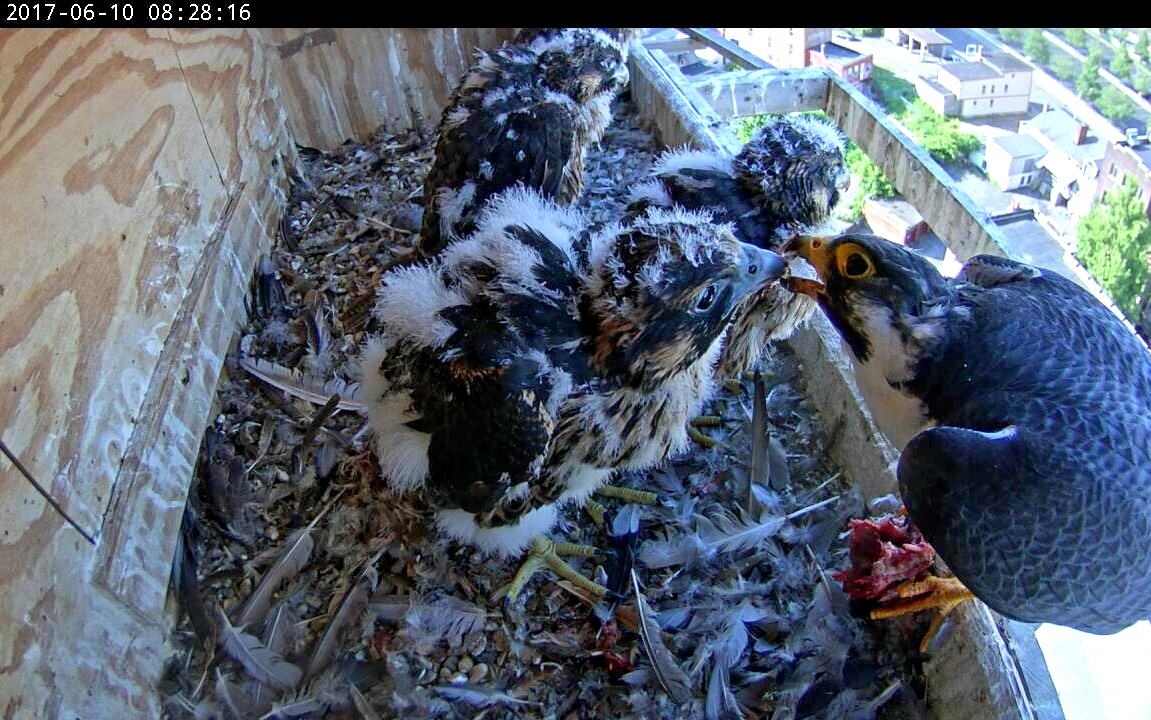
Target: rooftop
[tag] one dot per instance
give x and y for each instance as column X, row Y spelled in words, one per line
column 934, row 86
column 1019, row 146
column 1061, row 129
column 831, row 51
column 927, row 36
column 1005, row 63
column 970, row 71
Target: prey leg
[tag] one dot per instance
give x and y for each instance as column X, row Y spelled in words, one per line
column 941, row 594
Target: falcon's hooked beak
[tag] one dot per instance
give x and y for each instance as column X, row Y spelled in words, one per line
column 813, row 249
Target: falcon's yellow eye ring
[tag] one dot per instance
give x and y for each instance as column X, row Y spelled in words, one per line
column 853, row 262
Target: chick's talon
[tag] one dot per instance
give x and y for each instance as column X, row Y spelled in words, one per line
column 545, row 552
column 631, row 495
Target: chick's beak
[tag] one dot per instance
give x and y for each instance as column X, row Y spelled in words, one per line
column 759, row 267
column 813, row 249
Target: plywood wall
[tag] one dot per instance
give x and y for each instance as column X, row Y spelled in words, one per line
column 346, row 83
column 140, row 177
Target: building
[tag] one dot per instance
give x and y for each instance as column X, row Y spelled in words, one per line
column 925, row 40
column 786, row 47
column 1130, row 158
column 854, row 67
column 894, row 219
column 996, row 85
column 1012, row 161
column 1072, row 159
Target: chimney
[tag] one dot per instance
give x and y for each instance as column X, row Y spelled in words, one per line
column 1081, row 134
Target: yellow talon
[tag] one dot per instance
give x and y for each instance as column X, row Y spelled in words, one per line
column 546, row 552
column 641, row 497
column 699, row 437
column 707, row 421
column 943, row 594
column 596, row 510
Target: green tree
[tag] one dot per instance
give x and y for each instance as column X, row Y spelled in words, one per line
column 1141, row 45
column 1114, row 240
column 1116, row 106
column 1064, row 67
column 1121, row 64
column 1087, row 86
column 1141, row 79
column 868, row 180
column 1036, row 46
column 1076, row 36
column 1011, row 35
column 937, row 134
column 868, row 32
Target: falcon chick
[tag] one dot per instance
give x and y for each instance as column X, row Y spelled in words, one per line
column 786, row 180
column 525, row 113
column 524, row 365
column 1022, row 407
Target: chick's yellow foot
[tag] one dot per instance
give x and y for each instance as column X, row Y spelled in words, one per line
column 545, row 552
column 640, row 497
column 942, row 594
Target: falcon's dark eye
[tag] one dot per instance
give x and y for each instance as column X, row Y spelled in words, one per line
column 857, row 266
column 706, row 298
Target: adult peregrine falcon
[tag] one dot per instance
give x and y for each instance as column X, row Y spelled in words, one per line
column 525, row 364
column 525, row 113
column 1022, row 407
column 786, row 180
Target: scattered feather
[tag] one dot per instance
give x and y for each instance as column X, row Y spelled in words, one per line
column 236, row 700
column 297, row 708
column 362, row 705
column 479, row 695
column 294, row 383
column 667, row 671
column 294, row 556
column 426, row 624
column 259, row 662
column 351, row 607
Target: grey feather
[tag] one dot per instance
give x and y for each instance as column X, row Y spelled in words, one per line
column 479, row 695
column 362, row 705
column 236, row 700
column 295, row 555
column 297, row 385
column 666, row 669
column 260, row 662
column 425, row 624
column 296, row 708
column 351, row 607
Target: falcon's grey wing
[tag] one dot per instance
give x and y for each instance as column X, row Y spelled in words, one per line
column 1031, row 546
column 990, row 270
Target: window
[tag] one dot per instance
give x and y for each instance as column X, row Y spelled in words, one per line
column 1004, row 87
column 1112, row 171
column 992, row 103
column 982, row 89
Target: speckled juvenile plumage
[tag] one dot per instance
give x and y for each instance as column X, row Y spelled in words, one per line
column 1023, row 410
column 786, row 180
column 529, row 361
column 525, row 113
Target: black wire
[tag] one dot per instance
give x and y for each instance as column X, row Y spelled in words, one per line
column 24, row 471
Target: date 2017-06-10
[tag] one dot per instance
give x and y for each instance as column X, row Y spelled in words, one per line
column 125, row 12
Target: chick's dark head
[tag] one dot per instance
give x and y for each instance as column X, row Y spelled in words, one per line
column 583, row 64
column 796, row 166
column 873, row 290
column 664, row 288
